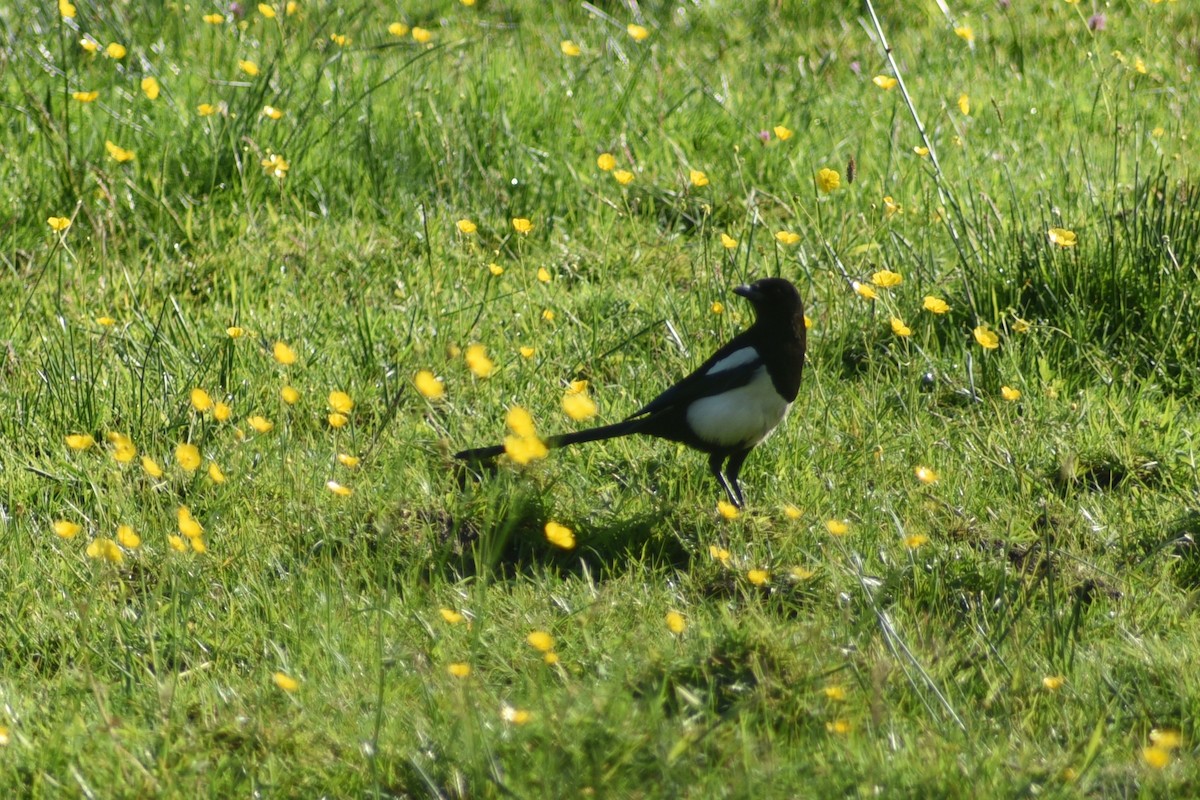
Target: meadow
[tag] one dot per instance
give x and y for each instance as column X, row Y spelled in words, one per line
column 266, row 267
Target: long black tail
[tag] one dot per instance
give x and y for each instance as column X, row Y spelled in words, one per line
column 613, row 431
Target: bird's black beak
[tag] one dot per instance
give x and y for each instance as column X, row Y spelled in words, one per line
column 748, row 292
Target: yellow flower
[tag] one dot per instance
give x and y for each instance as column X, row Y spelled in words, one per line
column 837, row 527
column 337, row 420
column 543, row 275
column 151, row 467
column 66, row 9
column 863, row 290
column 639, row 33
column 808, row 323
column 201, row 401
column 248, row 67
column 58, row 224
column 453, row 617
column 926, row 475
column 206, row 109
column 459, row 669
column 188, row 456
column 118, row 154
column 222, row 412
column 899, row 328
column 339, row 39
column 85, row 97
column 890, row 207
column 1166, row 738
column 338, row 489
column 89, row 45
column 123, row 448
column 1062, row 237
column 987, row 339
column 717, row 307
column 213, row 19
column 550, row 658
column 718, row 553
column 758, row 577
column 115, row 51
column 834, row 692
column 430, row 387
column 199, row 547
column 66, row 529
column 727, row 510
column 1139, row 66
column 728, row 242
column 675, row 622
column 235, row 332
column 106, row 321
column 935, row 305
column 289, row 394
column 697, row 178
column 965, row 33
column 285, row 682
column 560, row 536
column 885, row 82
column 260, row 423
column 177, row 543
column 840, row 727
column 422, row 36
column 828, row 179
column 783, row 133
column 348, row 461
column 1156, row 757
column 921, row 150
column 105, row 550
column 1053, row 682
column 1020, row 326
column 398, row 29
column 523, row 451
column 284, row 354
column 150, row 87
column 496, row 270
column 266, row 10
column 606, row 162
column 127, row 538
column 547, row 315
column 340, row 402
column 913, row 541
column 215, row 474
column 623, row 177
column 526, row 352
column 569, row 48
column 515, row 715
column 522, row 225
column 964, row 104
column 1010, row 394
column 786, row 237
column 478, row 361
column 271, row 112
column 275, row 166
column 188, row 525
column 791, row 512
column 80, row 441
column 541, row 641
column 465, row 226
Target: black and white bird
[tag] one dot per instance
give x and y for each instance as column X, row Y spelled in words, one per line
column 732, row 402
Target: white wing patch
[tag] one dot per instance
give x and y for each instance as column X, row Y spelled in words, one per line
column 734, row 359
column 740, row 417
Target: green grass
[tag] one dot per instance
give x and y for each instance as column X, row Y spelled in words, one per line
column 1058, row 539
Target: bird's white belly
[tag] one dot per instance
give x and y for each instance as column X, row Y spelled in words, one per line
column 740, row 417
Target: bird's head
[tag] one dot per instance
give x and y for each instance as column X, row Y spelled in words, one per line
column 773, row 299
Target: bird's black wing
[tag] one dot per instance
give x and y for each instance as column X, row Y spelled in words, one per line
column 705, row 383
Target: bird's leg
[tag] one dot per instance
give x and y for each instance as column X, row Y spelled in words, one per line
column 731, row 471
column 714, row 466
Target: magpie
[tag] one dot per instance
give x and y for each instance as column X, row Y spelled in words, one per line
column 732, row 402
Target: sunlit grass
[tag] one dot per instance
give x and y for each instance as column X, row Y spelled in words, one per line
column 269, row 265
